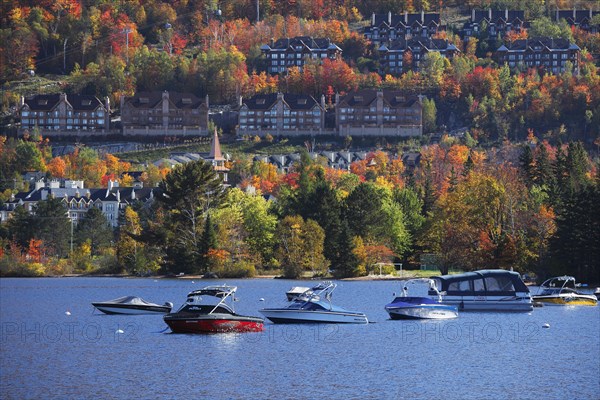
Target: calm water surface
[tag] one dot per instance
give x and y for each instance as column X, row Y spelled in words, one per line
column 48, row 354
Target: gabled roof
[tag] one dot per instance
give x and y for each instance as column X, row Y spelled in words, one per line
column 426, row 43
column 42, row 102
column 154, row 99
column 481, row 15
column 576, row 17
column 305, row 41
column 545, row 43
column 84, row 102
column 267, row 101
column 364, row 98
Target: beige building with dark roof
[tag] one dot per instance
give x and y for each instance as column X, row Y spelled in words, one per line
column 282, row 114
column 62, row 115
column 371, row 112
column 164, row 114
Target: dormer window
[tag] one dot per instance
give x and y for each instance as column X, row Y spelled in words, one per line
column 260, row 101
column 400, row 99
column 86, row 102
column 43, row 102
column 301, row 101
column 144, row 100
column 358, row 99
column 186, row 100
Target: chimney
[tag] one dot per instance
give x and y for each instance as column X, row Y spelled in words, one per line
column 473, row 15
column 373, row 19
column 574, row 14
column 107, row 104
column 405, row 17
column 490, row 14
column 506, row 14
column 22, row 101
column 389, row 18
column 323, row 101
column 207, row 102
column 118, row 196
column 132, row 194
column 63, row 97
column 240, row 101
column 422, row 16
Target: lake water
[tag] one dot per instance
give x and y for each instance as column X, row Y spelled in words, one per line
column 48, row 354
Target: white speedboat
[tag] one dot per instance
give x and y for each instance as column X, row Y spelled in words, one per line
column 562, row 291
column 132, row 305
column 314, row 306
column 484, row 290
column 411, row 307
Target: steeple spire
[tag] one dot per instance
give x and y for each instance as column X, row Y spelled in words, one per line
column 215, row 148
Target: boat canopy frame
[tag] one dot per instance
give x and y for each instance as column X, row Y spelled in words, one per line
column 222, row 292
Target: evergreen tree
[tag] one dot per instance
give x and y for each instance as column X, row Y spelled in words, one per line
column 543, row 174
column 52, row 225
column 95, row 228
column 208, row 241
column 345, row 262
column 527, row 164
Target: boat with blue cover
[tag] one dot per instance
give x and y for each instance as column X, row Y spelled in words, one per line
column 484, row 290
column 413, row 307
column 314, row 306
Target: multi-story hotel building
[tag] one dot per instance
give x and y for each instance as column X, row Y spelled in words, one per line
column 62, row 115
column 371, row 112
column 290, row 52
column 164, row 114
column 281, row 114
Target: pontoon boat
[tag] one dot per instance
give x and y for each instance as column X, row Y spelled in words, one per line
column 484, row 290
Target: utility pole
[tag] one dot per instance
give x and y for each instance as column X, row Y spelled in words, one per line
column 127, row 31
column 65, row 56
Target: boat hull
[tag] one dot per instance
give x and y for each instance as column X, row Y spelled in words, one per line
column 283, row 316
column 567, row 300
column 131, row 309
column 212, row 324
column 424, row 311
column 464, row 303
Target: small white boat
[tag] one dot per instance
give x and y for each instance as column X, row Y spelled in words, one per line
column 562, row 291
column 132, row 305
column 309, row 307
column 410, row 307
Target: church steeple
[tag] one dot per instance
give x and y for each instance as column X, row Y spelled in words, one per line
column 215, row 148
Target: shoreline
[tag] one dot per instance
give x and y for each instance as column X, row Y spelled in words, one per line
column 200, row 277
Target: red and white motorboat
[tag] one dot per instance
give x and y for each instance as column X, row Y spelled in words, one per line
column 201, row 315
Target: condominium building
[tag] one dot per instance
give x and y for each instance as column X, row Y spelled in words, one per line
column 581, row 19
column 164, row 114
column 386, row 27
column 402, row 55
column 497, row 23
column 281, row 114
column 545, row 53
column 64, row 115
column 371, row 112
column 290, row 52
